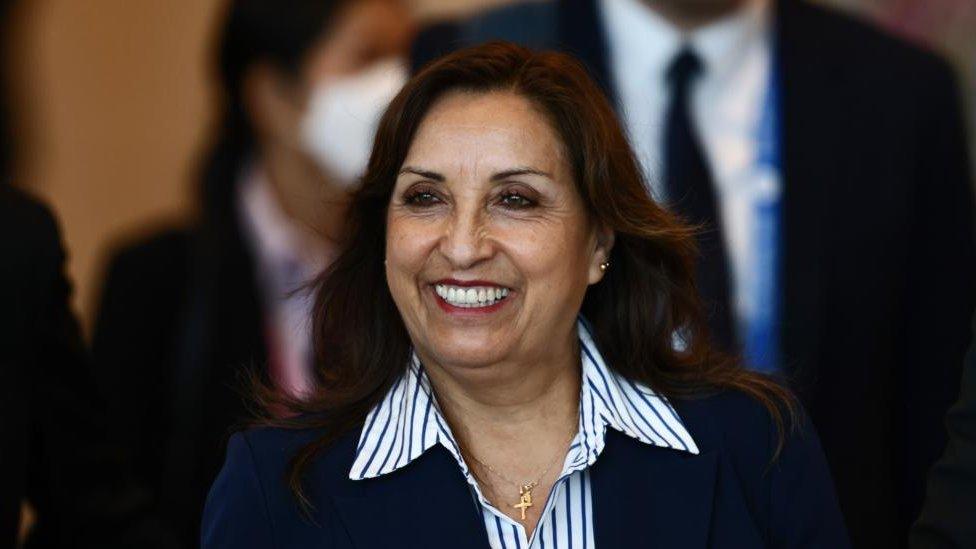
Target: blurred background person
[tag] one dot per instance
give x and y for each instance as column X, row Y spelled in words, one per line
column 56, row 459
column 950, row 497
column 56, row 462
column 187, row 312
column 828, row 164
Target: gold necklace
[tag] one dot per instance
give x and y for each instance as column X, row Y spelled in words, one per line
column 525, row 490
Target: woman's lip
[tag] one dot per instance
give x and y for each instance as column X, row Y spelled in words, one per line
column 466, row 283
column 468, row 311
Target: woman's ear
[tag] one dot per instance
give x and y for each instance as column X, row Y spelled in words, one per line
column 600, row 263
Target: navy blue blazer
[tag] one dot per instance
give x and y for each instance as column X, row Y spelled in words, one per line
column 730, row 495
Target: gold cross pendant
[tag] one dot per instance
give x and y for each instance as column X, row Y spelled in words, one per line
column 525, row 499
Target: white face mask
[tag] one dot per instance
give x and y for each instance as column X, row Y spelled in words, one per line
column 339, row 125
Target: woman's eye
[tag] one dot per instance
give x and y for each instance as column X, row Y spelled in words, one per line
column 422, row 198
column 515, row 201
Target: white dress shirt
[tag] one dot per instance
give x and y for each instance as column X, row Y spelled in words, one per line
column 727, row 104
column 408, row 422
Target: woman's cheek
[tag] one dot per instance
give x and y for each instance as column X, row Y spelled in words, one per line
column 534, row 245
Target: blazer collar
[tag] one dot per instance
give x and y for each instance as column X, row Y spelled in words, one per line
column 428, row 504
column 646, row 496
column 642, row 494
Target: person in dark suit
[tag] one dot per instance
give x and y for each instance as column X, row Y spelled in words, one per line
column 54, row 452
column 512, row 352
column 43, row 372
column 950, row 498
column 830, row 160
column 54, row 456
column 186, row 313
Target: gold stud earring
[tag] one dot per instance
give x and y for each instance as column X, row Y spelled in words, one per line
column 604, row 266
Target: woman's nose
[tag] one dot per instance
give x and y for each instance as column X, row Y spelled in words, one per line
column 466, row 241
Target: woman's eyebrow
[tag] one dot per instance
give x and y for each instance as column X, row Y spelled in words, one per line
column 422, row 173
column 519, row 171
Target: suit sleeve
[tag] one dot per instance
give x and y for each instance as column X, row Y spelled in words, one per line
column 236, row 515
column 81, row 495
column 941, row 290
column 947, row 519
column 133, row 342
column 804, row 512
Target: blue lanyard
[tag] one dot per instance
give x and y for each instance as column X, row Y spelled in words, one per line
column 760, row 334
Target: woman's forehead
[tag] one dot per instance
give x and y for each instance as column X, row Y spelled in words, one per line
column 466, row 130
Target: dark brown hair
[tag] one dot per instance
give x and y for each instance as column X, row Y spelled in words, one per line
column 646, row 299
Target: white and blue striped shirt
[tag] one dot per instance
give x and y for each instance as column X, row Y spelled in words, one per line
column 408, row 421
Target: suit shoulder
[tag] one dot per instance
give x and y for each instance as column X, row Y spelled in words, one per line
column 734, row 422
column 33, row 223
column 251, row 503
column 530, row 24
column 150, row 272
column 724, row 407
column 527, row 23
column 870, row 49
column 273, row 450
column 164, row 247
column 149, row 269
column 275, row 446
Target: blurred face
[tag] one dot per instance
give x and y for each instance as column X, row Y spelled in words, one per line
column 365, row 31
column 489, row 246
column 347, row 79
column 350, row 78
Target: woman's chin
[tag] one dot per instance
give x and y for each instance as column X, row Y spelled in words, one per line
column 467, row 351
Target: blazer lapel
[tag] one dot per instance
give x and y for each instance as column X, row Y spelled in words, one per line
column 644, row 495
column 811, row 152
column 428, row 503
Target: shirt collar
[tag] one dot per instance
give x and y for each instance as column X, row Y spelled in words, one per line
column 284, row 257
column 408, row 421
column 643, row 43
column 722, row 45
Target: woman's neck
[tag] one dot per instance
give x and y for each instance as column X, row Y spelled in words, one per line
column 515, row 415
column 310, row 199
column 514, row 422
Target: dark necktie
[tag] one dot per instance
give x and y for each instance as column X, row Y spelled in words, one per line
column 692, row 195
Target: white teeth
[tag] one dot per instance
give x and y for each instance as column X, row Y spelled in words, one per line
column 470, row 297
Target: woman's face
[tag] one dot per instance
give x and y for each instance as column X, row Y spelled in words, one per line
column 489, row 246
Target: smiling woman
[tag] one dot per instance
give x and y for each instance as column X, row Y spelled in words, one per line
column 512, row 352
column 486, row 203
